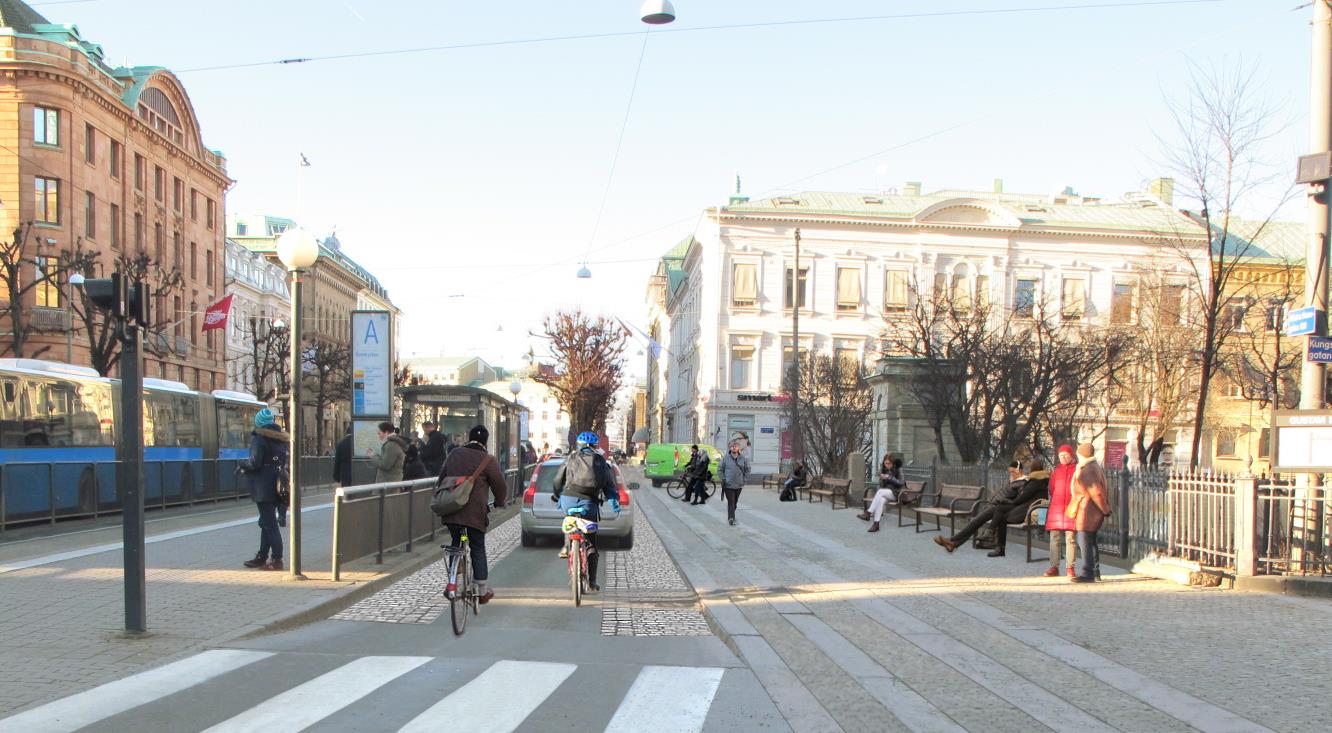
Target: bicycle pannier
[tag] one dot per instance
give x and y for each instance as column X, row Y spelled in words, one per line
column 453, row 492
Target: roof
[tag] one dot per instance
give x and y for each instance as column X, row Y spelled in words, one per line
column 19, row 16
column 673, row 261
column 1134, row 214
column 1271, row 242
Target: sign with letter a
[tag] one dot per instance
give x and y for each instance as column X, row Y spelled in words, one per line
column 372, row 364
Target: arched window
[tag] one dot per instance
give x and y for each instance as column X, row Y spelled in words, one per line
column 156, row 110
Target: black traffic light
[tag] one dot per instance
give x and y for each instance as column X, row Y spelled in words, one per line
column 116, row 295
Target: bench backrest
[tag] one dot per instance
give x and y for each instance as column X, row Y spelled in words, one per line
column 950, row 492
column 836, row 483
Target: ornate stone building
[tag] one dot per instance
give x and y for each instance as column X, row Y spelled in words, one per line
column 111, row 160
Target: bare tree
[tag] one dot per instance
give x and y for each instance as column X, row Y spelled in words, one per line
column 1263, row 362
column 327, row 368
column 97, row 325
column 266, row 368
column 24, row 270
column 1220, row 130
column 590, row 368
column 835, row 406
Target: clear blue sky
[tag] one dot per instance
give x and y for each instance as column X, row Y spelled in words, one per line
column 478, row 173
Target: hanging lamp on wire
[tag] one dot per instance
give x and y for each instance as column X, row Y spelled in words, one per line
column 657, row 12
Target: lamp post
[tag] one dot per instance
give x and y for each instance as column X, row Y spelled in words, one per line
column 298, row 250
column 797, row 300
column 75, row 281
column 515, row 387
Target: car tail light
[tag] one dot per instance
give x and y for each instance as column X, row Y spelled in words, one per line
column 624, row 496
column 529, row 496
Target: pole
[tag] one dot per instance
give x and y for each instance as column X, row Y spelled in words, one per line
column 797, row 299
column 129, row 474
column 294, row 411
column 1312, row 375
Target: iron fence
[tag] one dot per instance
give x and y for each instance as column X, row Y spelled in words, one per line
column 1292, row 529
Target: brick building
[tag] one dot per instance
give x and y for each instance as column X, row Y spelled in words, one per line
column 109, row 160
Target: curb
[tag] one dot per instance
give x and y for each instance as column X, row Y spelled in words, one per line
column 1286, row 586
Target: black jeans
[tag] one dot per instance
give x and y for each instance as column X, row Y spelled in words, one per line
column 997, row 516
column 732, row 498
column 476, row 540
column 270, row 537
column 700, row 490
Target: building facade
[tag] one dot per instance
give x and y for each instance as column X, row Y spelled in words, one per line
column 261, row 304
column 725, row 295
column 108, row 160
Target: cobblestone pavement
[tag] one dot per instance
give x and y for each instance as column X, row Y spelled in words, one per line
column 855, row 631
column 419, row 598
column 643, row 593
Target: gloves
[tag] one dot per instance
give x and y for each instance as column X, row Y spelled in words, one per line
column 554, row 499
column 615, row 505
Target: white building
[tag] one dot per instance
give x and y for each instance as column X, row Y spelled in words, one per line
column 261, row 299
column 725, row 294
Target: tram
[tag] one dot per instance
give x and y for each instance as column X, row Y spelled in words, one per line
column 58, row 441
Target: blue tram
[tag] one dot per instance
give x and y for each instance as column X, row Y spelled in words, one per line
column 58, row 436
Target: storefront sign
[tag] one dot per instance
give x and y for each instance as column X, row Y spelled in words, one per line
column 372, row 364
column 754, row 397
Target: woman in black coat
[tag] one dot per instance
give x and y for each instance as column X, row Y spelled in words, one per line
column 270, row 449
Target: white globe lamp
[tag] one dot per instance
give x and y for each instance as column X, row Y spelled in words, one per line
column 297, row 248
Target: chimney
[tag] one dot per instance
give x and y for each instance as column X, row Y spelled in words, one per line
column 998, row 185
column 912, row 188
column 1163, row 189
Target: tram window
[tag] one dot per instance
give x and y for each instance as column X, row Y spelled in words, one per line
column 35, row 425
column 187, row 417
column 59, row 401
column 233, row 425
column 91, row 419
column 170, row 421
column 11, row 416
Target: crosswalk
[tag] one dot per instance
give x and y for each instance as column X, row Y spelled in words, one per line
column 410, row 694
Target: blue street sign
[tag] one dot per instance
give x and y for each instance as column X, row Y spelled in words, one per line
column 1303, row 321
column 1320, row 350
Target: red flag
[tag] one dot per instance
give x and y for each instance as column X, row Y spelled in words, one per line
column 216, row 315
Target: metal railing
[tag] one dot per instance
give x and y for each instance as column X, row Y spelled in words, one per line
column 1201, row 518
column 1292, row 528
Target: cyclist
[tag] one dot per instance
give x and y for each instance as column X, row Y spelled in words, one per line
column 586, row 478
column 463, row 461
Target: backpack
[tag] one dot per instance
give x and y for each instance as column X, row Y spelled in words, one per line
column 787, row 494
column 985, row 538
column 281, row 469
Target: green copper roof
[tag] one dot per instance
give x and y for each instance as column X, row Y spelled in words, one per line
column 673, row 261
column 1273, row 242
column 20, row 17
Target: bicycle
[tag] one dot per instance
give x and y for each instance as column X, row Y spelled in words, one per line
column 461, row 590
column 676, row 488
column 574, row 528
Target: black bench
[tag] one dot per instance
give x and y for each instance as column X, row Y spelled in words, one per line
column 949, row 500
column 831, row 488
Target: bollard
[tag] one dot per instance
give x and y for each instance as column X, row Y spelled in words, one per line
column 337, row 527
column 411, row 503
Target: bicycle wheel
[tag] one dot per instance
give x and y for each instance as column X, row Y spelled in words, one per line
column 711, row 488
column 676, row 488
column 458, row 603
column 576, row 570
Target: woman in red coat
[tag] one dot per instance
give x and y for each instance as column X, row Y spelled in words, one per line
column 1060, row 527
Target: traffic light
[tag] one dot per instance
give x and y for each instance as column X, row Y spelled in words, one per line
column 116, row 295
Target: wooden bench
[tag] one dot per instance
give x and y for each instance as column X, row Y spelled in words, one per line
column 909, row 493
column 909, row 496
column 948, row 500
column 1032, row 523
column 832, row 488
column 773, row 481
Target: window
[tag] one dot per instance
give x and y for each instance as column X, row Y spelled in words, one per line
column 848, row 289
column 158, row 252
column 787, row 355
column 178, row 251
column 940, row 293
column 208, row 269
column 1074, row 302
column 115, row 159
column 212, row 213
column 46, row 125
column 961, row 293
column 1225, row 442
column 194, row 204
column 90, row 144
column 140, row 171
column 742, row 366
column 89, row 215
column 983, row 291
column 177, row 193
column 159, row 183
column 194, row 261
column 744, row 285
column 47, row 192
column 194, row 322
column 895, row 291
column 1276, row 316
column 1233, row 315
column 1172, row 305
column 116, row 224
column 847, row 351
column 1264, row 442
column 1121, row 303
column 177, row 309
column 242, row 229
column 138, row 232
column 48, row 283
column 1024, row 297
column 798, row 292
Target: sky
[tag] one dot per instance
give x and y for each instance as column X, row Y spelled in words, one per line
column 474, row 181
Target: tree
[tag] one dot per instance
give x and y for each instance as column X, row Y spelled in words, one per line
column 1220, row 128
column 97, row 325
column 835, row 406
column 1264, row 363
column 328, row 367
column 266, row 368
column 590, row 368
column 24, row 270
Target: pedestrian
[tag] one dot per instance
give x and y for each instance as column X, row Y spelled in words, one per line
column 687, row 476
column 890, row 482
column 270, row 449
column 1062, row 539
column 793, row 482
column 1010, row 507
column 734, row 472
column 390, row 457
column 464, row 461
column 342, row 461
column 1088, row 507
column 412, row 466
column 697, row 475
column 432, row 455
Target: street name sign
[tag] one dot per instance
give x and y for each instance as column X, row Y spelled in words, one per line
column 1319, row 350
column 1302, row 441
column 1303, row 321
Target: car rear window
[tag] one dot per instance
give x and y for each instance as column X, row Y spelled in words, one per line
column 545, row 482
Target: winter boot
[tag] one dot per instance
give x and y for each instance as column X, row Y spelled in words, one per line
column 257, row 561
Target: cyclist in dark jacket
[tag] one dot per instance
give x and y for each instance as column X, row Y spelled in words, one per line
column 581, row 483
column 269, row 453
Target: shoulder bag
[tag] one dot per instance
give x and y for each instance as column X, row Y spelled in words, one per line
column 453, row 492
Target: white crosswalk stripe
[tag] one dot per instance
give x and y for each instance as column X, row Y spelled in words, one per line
column 100, row 703
column 498, row 700
column 307, row 704
column 667, row 700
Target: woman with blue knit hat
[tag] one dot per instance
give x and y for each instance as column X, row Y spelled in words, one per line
column 269, row 453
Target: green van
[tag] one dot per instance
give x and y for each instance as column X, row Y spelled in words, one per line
column 664, row 461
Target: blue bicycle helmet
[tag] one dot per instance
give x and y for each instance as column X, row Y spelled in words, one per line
column 587, row 437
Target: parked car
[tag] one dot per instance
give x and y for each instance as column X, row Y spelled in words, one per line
column 664, row 461
column 541, row 517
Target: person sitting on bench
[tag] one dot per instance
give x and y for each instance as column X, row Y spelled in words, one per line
column 796, row 480
column 890, row 482
column 1009, row 508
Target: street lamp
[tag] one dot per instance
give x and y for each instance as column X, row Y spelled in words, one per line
column 75, row 281
column 657, row 12
column 298, row 250
column 515, row 387
column 583, row 272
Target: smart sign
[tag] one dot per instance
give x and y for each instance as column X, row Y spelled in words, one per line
column 1302, row 441
column 372, row 364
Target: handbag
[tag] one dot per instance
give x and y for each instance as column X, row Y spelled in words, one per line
column 453, row 492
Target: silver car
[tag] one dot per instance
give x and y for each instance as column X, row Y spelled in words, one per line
column 542, row 517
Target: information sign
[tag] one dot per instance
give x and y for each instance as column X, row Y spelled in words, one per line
column 1302, row 441
column 1320, row 350
column 372, row 364
column 1303, row 321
